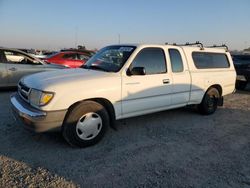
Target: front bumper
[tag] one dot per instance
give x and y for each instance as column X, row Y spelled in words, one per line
column 34, row 119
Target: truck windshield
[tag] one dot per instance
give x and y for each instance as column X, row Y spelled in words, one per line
column 109, row 59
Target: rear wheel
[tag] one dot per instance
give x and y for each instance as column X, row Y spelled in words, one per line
column 209, row 102
column 85, row 124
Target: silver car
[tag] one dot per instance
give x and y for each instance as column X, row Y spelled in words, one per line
column 14, row 64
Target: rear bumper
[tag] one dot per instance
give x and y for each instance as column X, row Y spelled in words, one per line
column 34, row 119
column 241, row 78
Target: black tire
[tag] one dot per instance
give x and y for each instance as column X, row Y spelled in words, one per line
column 241, row 85
column 69, row 129
column 209, row 102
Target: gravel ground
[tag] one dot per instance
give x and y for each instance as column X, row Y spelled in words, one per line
column 176, row 148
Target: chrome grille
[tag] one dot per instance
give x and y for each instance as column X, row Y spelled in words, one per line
column 23, row 91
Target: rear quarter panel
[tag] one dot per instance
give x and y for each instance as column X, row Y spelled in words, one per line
column 202, row 79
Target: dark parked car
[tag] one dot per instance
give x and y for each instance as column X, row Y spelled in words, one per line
column 242, row 67
column 15, row 64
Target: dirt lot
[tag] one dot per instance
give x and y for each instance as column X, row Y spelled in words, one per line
column 177, row 148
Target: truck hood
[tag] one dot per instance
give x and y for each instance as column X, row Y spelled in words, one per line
column 52, row 79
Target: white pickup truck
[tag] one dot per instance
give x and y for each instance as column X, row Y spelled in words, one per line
column 123, row 81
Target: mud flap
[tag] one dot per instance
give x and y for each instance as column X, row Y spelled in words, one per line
column 220, row 101
column 113, row 123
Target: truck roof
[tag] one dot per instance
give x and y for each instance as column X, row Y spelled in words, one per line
column 184, row 47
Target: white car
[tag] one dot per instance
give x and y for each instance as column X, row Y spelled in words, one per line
column 14, row 64
column 123, row 81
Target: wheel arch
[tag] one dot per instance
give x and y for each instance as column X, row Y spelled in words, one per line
column 205, row 107
column 219, row 88
column 216, row 86
column 104, row 102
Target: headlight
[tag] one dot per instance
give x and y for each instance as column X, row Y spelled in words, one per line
column 40, row 98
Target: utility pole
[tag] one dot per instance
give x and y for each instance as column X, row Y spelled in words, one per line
column 76, row 36
column 119, row 38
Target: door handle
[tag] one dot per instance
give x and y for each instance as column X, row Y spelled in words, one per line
column 166, row 81
column 12, row 69
column 133, row 83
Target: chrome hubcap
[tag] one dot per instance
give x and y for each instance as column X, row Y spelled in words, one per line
column 89, row 126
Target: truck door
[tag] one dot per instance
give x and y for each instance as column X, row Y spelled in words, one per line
column 149, row 92
column 181, row 78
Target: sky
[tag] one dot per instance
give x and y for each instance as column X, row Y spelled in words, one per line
column 56, row 24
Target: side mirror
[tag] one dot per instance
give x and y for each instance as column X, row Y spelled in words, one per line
column 136, row 71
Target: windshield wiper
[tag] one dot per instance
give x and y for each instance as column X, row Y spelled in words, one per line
column 84, row 67
column 94, row 67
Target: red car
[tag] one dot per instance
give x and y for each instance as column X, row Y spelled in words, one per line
column 68, row 58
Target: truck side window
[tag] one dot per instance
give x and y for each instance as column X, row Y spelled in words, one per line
column 152, row 59
column 176, row 60
column 209, row 60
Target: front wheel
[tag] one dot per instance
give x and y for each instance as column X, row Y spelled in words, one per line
column 209, row 102
column 85, row 124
